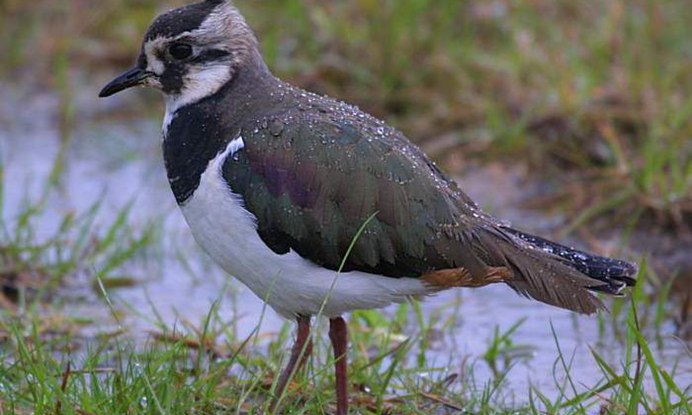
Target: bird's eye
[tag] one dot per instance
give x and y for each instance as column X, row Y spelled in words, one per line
column 180, row 51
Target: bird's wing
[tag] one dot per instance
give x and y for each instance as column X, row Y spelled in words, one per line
column 313, row 182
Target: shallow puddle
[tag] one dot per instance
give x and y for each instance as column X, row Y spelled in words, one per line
column 120, row 163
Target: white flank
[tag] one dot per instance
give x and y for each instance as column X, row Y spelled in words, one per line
column 290, row 284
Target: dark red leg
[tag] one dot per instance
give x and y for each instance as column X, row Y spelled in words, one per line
column 338, row 334
column 299, row 355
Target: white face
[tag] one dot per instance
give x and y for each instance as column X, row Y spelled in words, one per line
column 194, row 64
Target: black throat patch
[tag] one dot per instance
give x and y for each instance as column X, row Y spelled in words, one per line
column 200, row 131
column 195, row 136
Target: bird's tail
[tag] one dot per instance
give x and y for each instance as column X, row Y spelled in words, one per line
column 615, row 274
column 553, row 273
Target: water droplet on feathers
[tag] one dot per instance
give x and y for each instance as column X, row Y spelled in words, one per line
column 276, row 128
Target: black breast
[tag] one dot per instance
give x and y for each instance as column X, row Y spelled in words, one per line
column 202, row 130
column 195, row 136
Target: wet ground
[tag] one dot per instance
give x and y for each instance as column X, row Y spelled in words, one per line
column 119, row 161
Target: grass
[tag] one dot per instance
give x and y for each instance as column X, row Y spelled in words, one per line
column 570, row 85
column 45, row 246
column 208, row 369
column 594, row 94
column 48, row 366
column 34, row 266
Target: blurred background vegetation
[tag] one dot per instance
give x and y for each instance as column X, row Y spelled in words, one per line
column 598, row 90
column 594, row 97
column 589, row 101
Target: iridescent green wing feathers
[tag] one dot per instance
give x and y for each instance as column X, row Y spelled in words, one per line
column 313, row 178
column 313, row 183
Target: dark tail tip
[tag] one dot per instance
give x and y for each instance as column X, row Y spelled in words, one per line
column 615, row 274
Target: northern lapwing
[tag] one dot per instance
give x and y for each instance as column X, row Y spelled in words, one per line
column 318, row 207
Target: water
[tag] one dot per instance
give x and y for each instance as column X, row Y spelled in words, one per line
column 119, row 161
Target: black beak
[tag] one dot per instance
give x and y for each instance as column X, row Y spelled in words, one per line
column 133, row 77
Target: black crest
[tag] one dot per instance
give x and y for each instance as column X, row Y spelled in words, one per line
column 181, row 20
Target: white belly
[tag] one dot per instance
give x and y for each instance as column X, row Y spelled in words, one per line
column 290, row 284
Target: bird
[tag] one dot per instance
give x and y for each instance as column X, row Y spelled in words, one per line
column 320, row 208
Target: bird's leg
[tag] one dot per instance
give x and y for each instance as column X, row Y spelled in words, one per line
column 302, row 349
column 338, row 334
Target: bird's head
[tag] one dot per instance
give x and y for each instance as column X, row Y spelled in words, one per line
column 190, row 52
